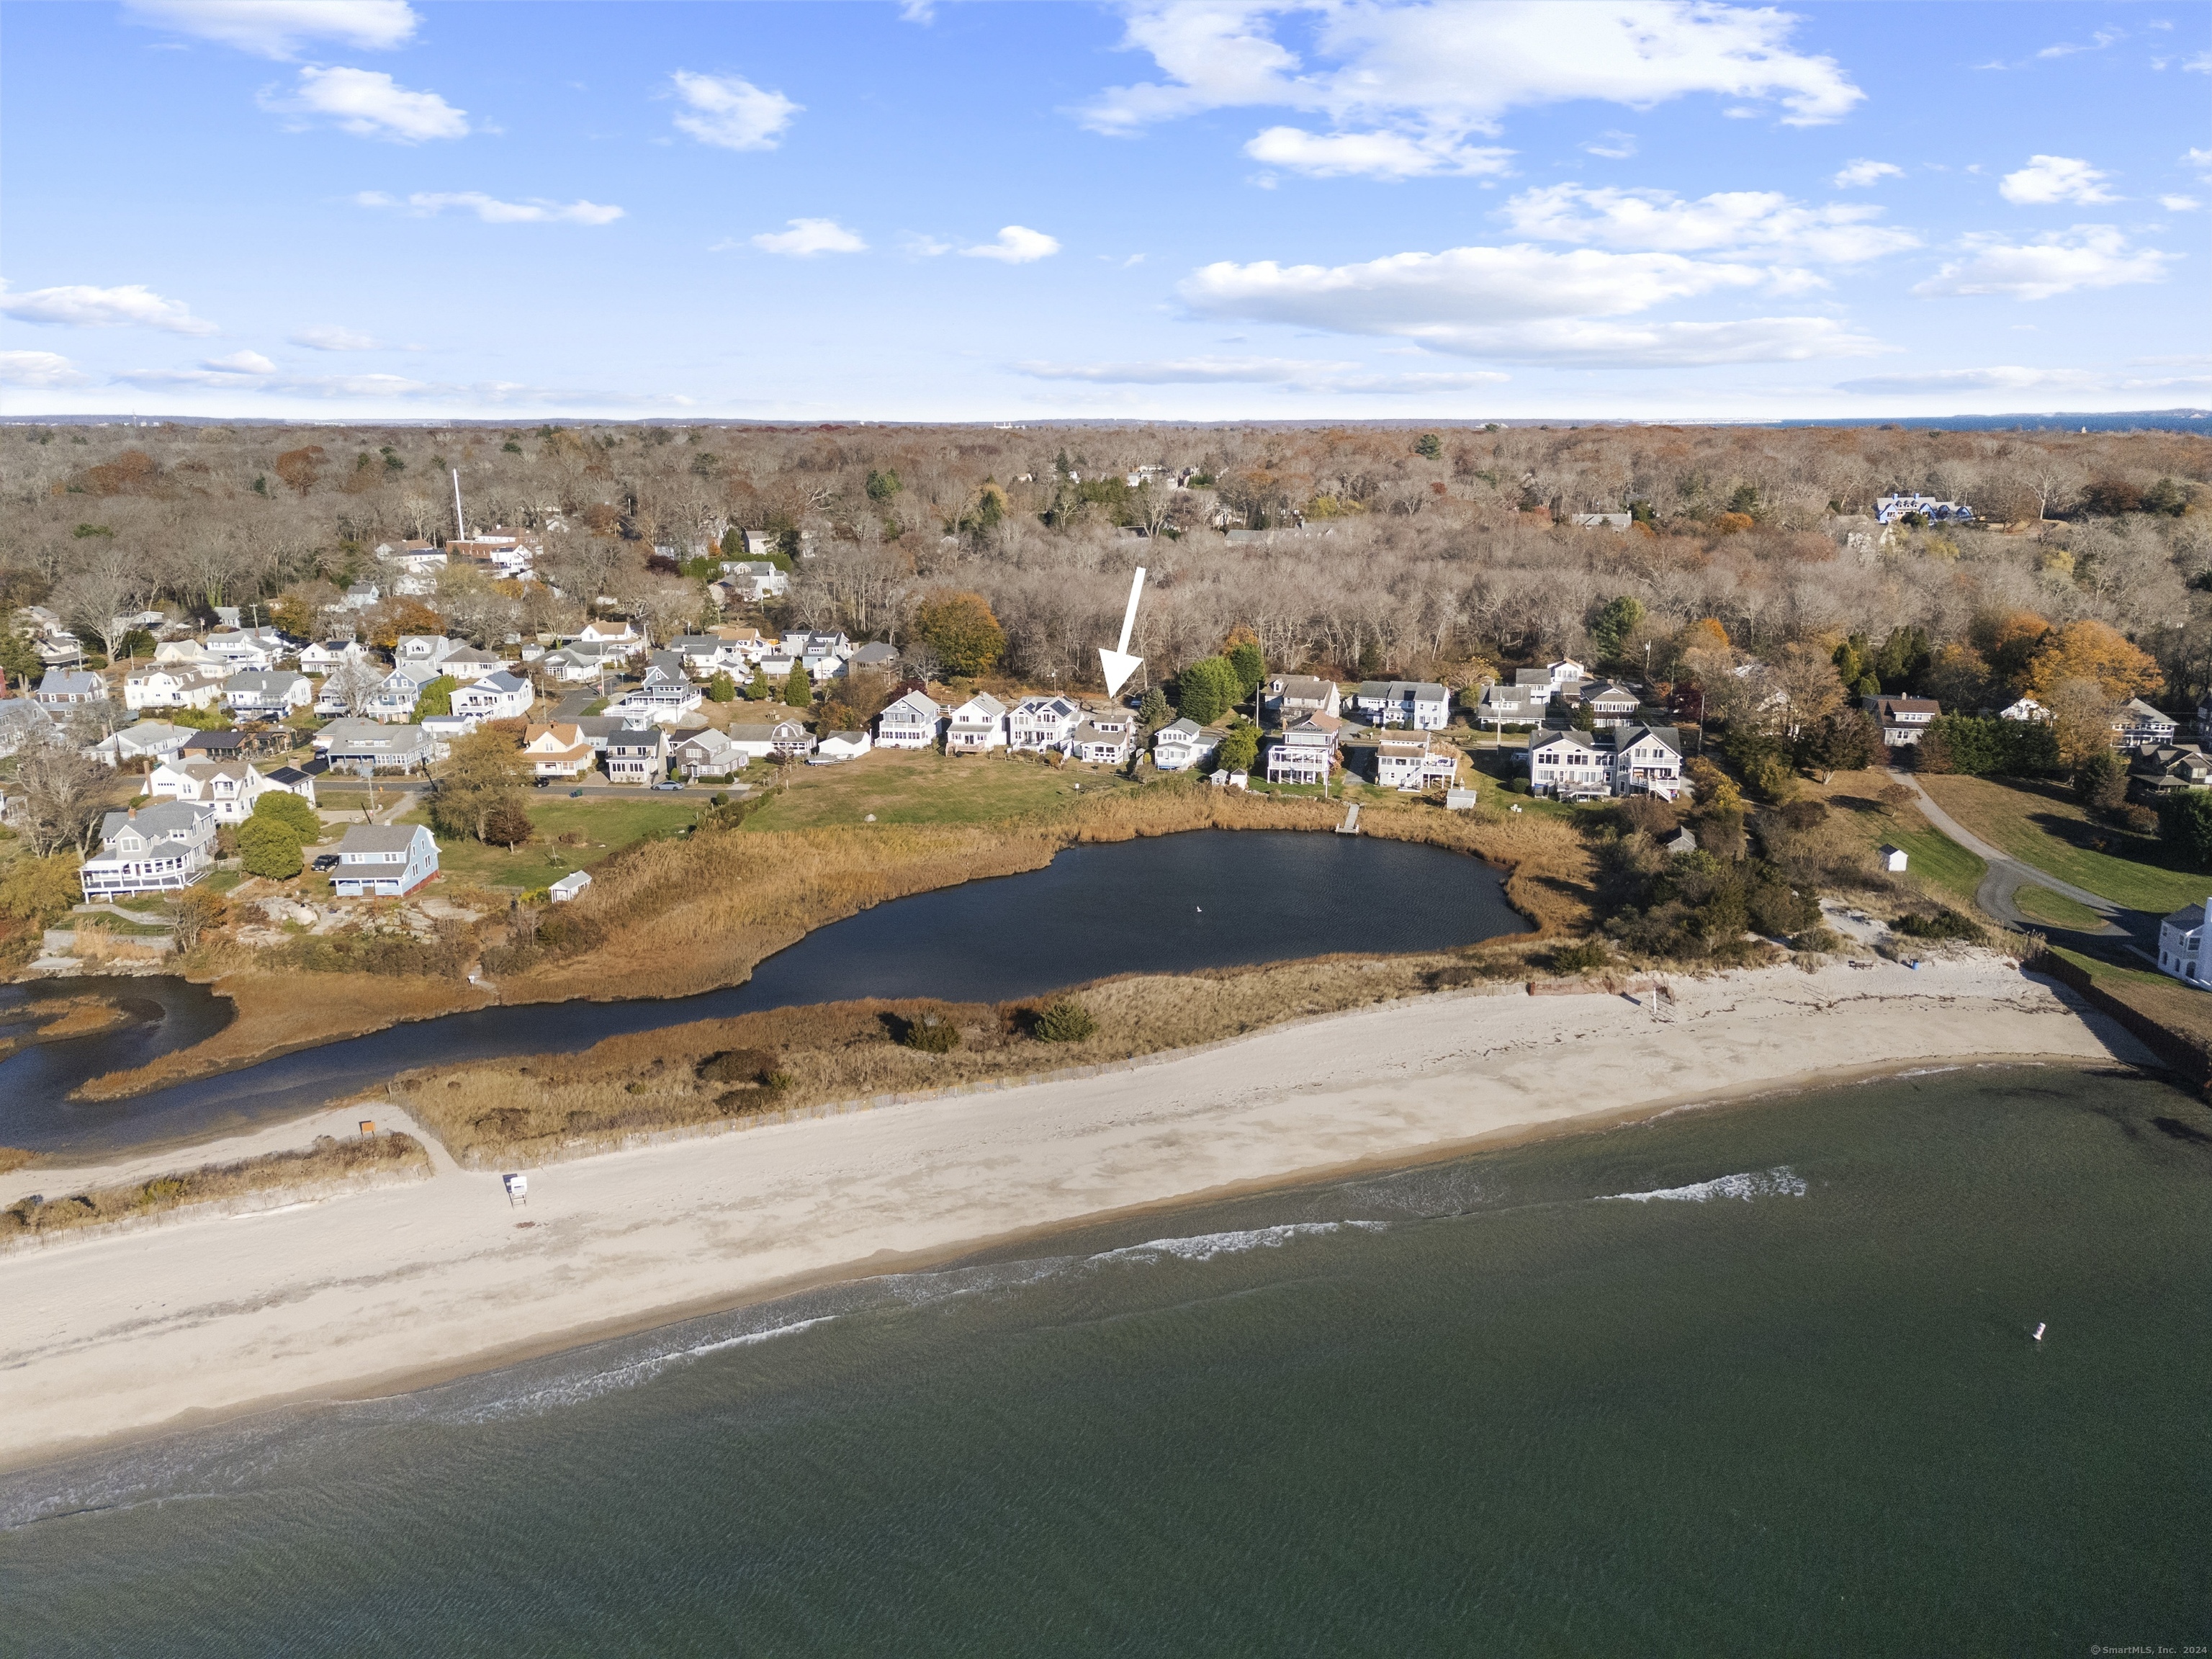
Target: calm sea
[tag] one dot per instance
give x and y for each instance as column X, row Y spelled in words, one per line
column 1758, row 1380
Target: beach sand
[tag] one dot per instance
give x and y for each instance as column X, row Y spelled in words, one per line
column 371, row 1291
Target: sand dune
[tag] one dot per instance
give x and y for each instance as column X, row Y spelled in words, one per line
column 363, row 1293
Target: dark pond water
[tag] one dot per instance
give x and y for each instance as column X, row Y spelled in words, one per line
column 1167, row 904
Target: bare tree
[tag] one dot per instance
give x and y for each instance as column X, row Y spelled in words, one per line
column 61, row 788
column 353, row 683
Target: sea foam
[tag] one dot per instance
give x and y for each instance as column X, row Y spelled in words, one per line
column 1206, row 1246
column 1780, row 1181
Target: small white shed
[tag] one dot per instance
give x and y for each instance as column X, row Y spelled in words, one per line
column 1893, row 859
column 568, row 886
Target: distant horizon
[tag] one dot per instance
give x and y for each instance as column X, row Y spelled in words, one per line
column 1683, row 212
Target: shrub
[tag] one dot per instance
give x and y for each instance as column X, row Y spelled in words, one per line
column 932, row 1034
column 1587, row 955
column 1207, row 689
column 2184, row 824
column 1944, row 924
column 270, row 846
column 2100, row 782
column 753, row 1066
column 1066, row 1020
column 288, row 809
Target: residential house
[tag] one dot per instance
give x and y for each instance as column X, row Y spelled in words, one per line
column 1610, row 704
column 163, row 848
column 1890, row 509
column 62, row 688
column 1041, row 723
column 787, row 738
column 617, row 639
column 413, row 567
column 976, row 726
column 499, row 696
column 1410, row 765
column 910, row 723
column 1905, row 720
column 293, row 781
column 354, row 744
column 397, row 694
column 327, row 655
column 1513, row 705
column 842, row 745
column 383, row 860
column 362, row 596
column 1420, row 704
column 823, row 656
column 1535, row 684
column 2180, row 946
column 1631, row 759
column 1107, row 737
column 2137, row 726
column 171, row 687
column 875, row 655
column 557, row 751
column 1305, row 752
column 756, row 579
column 708, row 754
column 184, row 656
column 1647, row 760
column 140, row 744
column 2168, row 769
column 705, row 655
column 267, row 694
column 228, row 743
column 1617, row 522
column 425, row 649
column 580, row 665
column 21, row 721
column 562, row 891
column 2028, row 709
column 1290, row 698
column 230, row 786
column 442, row 729
column 504, row 553
column 665, row 695
column 245, row 648
column 747, row 646
column 637, row 757
column 1566, row 677
column 1183, row 744
column 473, row 662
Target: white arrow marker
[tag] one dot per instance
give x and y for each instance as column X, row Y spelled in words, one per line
column 1117, row 666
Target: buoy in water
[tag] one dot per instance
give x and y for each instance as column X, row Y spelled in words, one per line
column 2040, row 1330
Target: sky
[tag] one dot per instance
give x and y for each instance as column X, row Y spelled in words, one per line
column 1191, row 210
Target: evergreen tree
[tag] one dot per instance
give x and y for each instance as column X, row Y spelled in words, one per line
column 1615, row 621
column 1240, row 749
column 721, row 688
column 798, row 687
column 1153, row 712
column 2184, row 824
column 288, row 809
column 1207, row 689
column 268, row 846
column 1251, row 666
column 759, row 690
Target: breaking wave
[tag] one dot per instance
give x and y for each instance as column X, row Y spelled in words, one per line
column 1206, row 1246
column 1780, row 1181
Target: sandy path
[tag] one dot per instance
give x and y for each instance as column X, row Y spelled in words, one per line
column 352, row 1294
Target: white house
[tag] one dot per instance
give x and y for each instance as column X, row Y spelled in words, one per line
column 397, row 694
column 636, row 757
column 786, row 737
column 1181, row 744
column 362, row 596
column 293, row 781
column 976, row 726
column 756, row 579
column 163, row 687
column 182, row 656
column 1410, row 765
column 383, row 860
column 245, row 648
column 149, row 740
column 1905, row 720
column 2180, row 946
column 424, row 648
column 1107, row 737
column 1420, row 704
column 706, row 655
column 568, row 886
column 910, row 723
column 21, row 720
column 615, row 639
column 414, row 565
column 500, row 696
column 708, row 754
column 1566, row 677
column 353, row 744
column 1513, row 705
column 1291, row 697
column 1628, row 760
column 2138, row 726
column 665, row 695
column 842, row 745
column 579, row 665
column 61, row 687
column 1610, row 704
column 2028, row 709
column 230, row 787
column 267, row 694
column 325, row 655
column 1569, row 764
column 1042, row 723
column 1304, row 753
column 162, row 849
column 558, row 750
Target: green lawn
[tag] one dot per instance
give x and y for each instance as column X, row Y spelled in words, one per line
column 923, row 787
column 2041, row 827
column 1933, row 856
column 2056, row 909
column 2096, row 968
column 606, row 826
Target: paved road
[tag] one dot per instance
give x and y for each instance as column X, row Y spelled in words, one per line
column 2008, row 875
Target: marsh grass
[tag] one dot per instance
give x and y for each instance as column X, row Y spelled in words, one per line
column 329, row 1164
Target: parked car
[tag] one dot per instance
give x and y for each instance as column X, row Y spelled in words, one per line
column 670, row 784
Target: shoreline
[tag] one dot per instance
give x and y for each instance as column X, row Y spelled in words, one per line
column 794, row 1206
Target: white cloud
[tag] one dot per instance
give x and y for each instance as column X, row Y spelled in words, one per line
column 1435, row 73
column 2013, row 377
column 536, row 210
column 239, row 363
column 1293, row 372
column 1751, row 223
column 1372, row 155
column 40, row 370
column 2199, row 159
column 2179, row 204
column 2048, row 179
column 133, row 305
column 2087, row 256
column 2098, row 42
column 1016, row 245
column 2200, row 64
column 1855, row 175
column 808, row 237
column 1521, row 304
column 731, row 111
column 279, row 28
column 369, row 104
column 330, row 337
column 1613, row 146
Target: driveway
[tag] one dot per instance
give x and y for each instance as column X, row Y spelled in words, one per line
column 2008, row 875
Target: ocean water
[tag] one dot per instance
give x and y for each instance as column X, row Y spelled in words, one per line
column 1757, row 1379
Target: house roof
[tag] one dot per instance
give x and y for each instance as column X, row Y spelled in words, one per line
column 365, row 838
column 163, row 818
column 209, row 742
column 502, row 681
column 877, row 651
column 1185, row 727
column 2137, row 708
column 1304, row 686
column 1399, row 690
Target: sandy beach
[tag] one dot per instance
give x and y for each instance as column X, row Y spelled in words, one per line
column 364, row 1293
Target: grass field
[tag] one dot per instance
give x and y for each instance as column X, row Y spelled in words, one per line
column 1933, row 856
column 2056, row 909
column 2097, row 969
column 2041, row 827
column 923, row 787
column 606, row 826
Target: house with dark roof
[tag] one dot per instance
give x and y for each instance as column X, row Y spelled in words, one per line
column 383, row 860
column 162, row 849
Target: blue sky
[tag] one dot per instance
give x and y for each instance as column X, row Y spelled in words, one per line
column 1180, row 208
